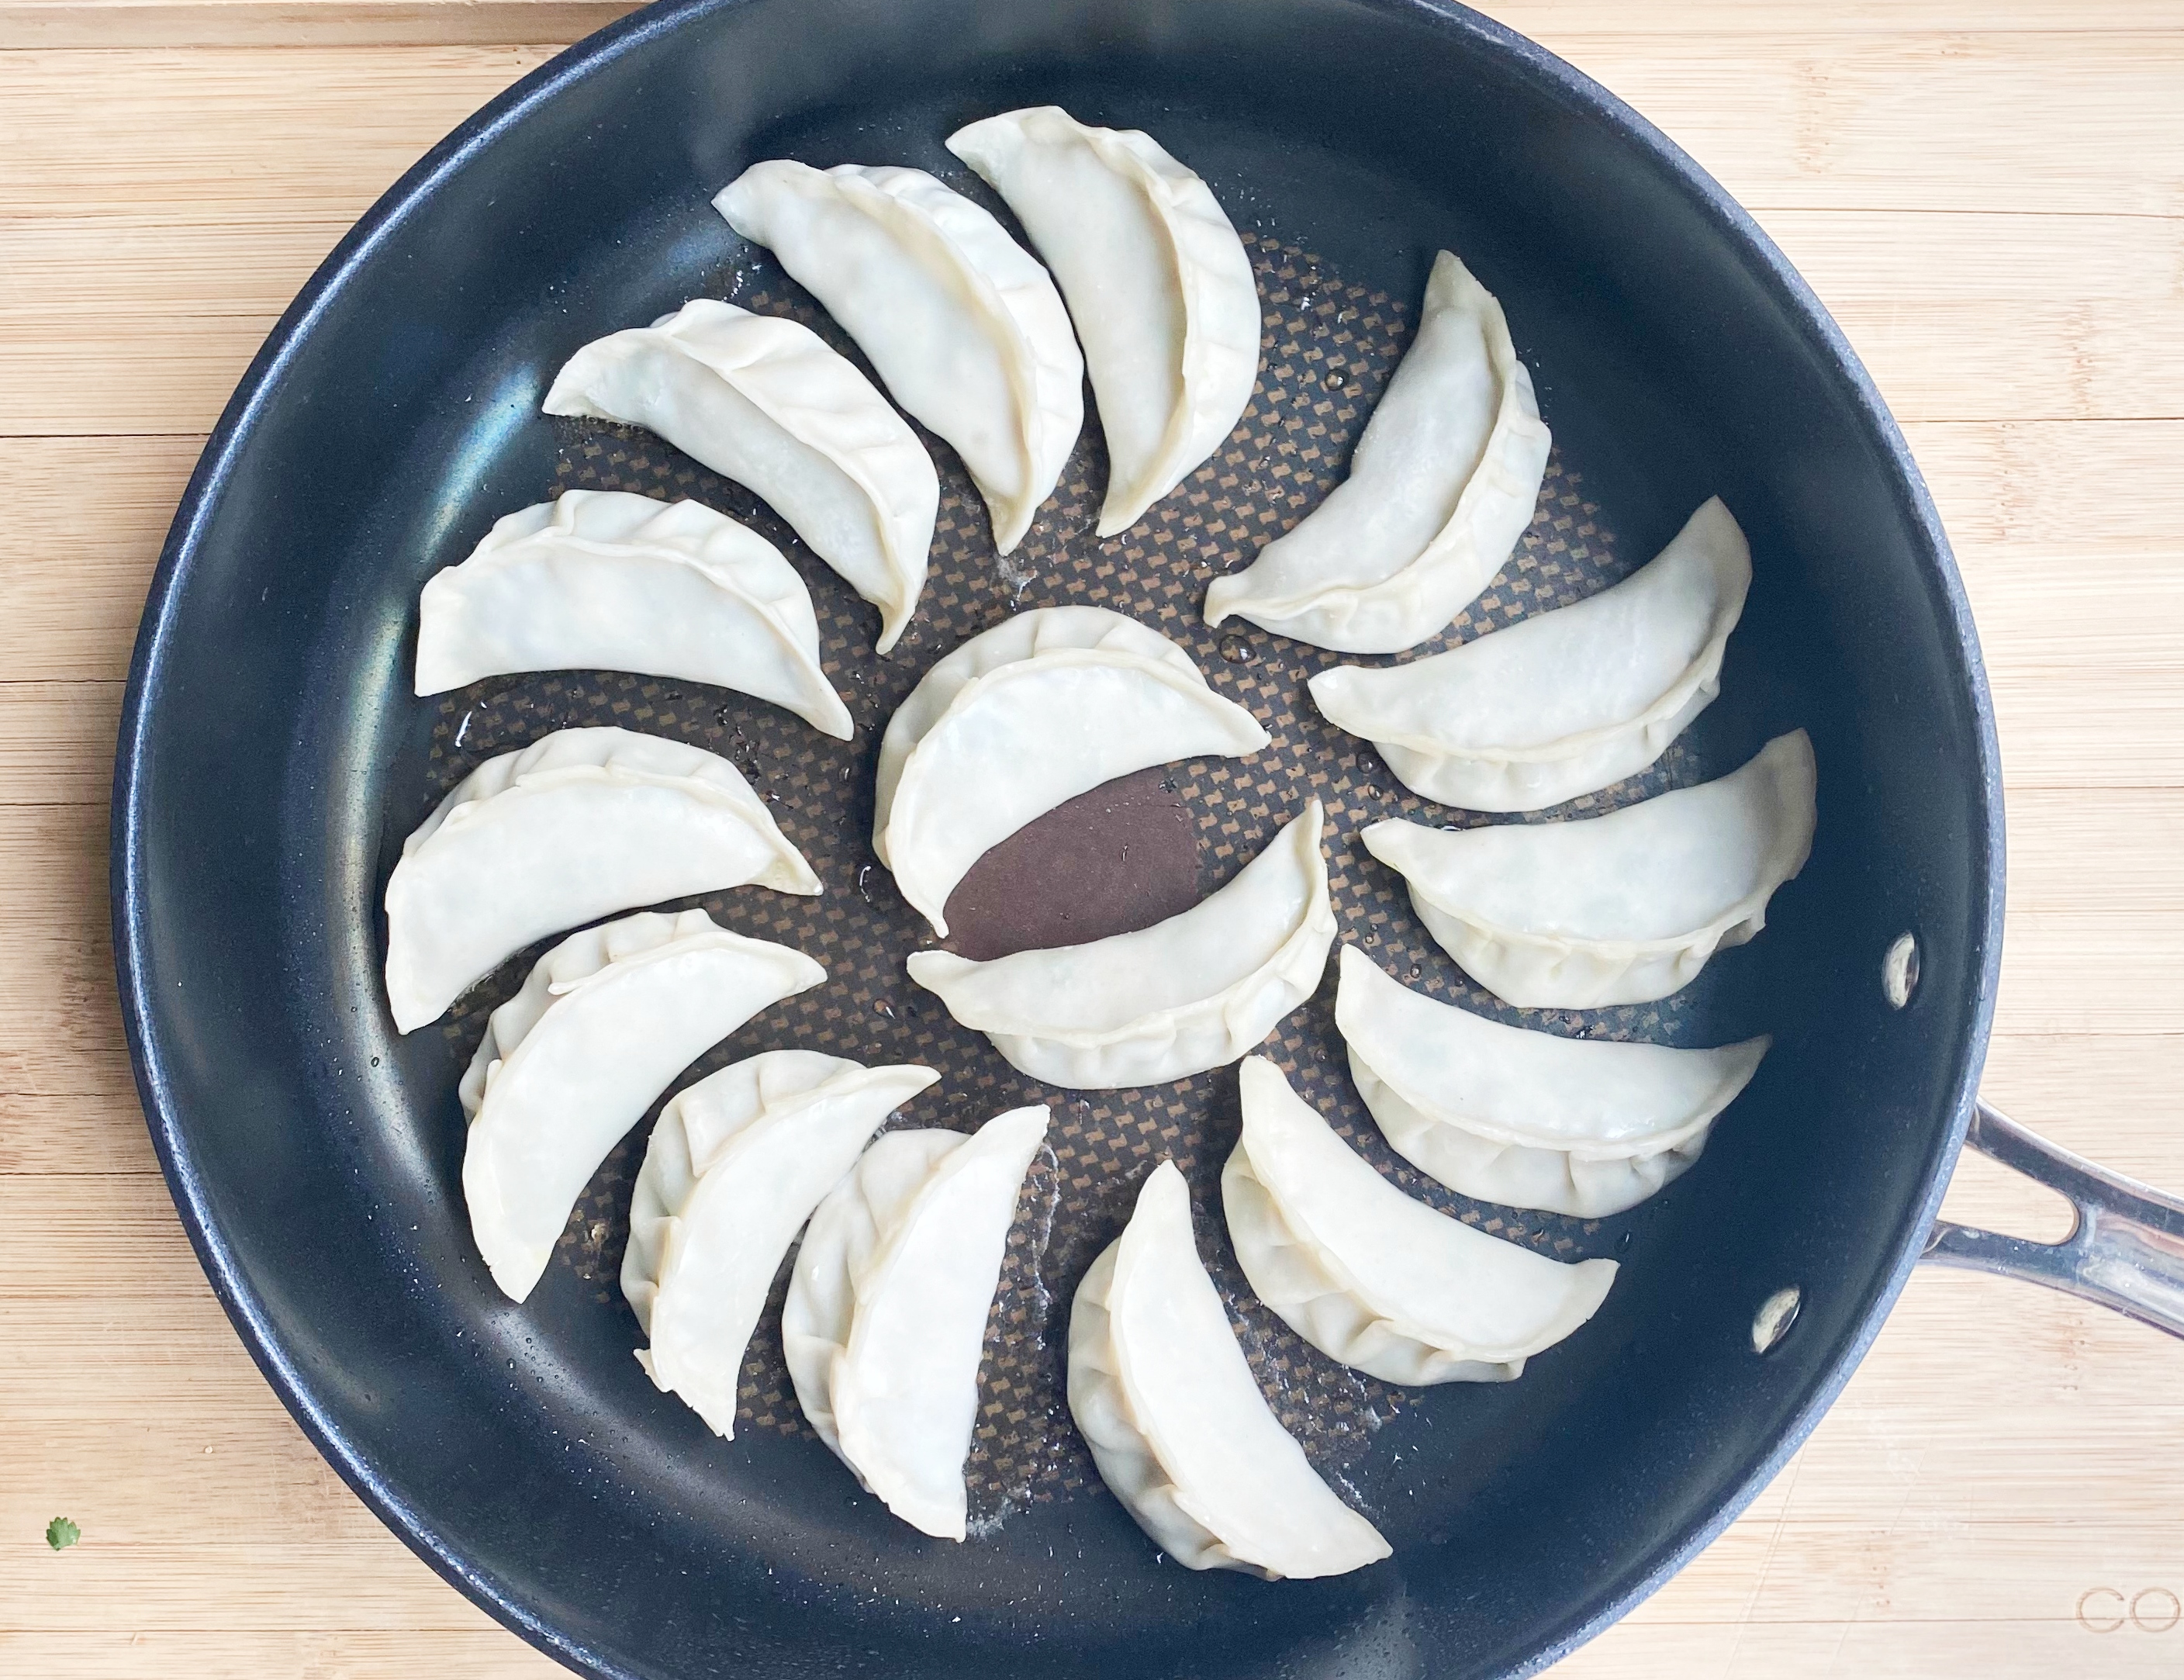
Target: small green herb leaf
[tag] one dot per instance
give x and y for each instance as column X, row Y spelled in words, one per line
column 61, row 1533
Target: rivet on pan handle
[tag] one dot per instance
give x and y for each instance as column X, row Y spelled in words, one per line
column 2126, row 1252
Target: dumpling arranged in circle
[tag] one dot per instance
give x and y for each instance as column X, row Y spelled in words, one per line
column 578, row 824
column 1043, row 706
column 736, row 1164
column 1373, row 1278
column 602, row 580
column 1439, row 489
column 963, row 325
column 1582, row 1126
column 886, row 1314
column 1165, row 1398
column 1156, row 282
column 1625, row 909
column 605, row 1023
column 1193, row 992
column 767, row 402
column 1565, row 702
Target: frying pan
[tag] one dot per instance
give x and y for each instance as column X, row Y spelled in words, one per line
column 272, row 758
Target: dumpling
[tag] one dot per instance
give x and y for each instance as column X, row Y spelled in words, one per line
column 1440, row 487
column 1624, row 908
column 1372, row 1278
column 736, row 1164
column 1164, row 1396
column 886, row 1315
column 965, row 327
column 1157, row 281
column 1043, row 706
column 1190, row 993
column 1572, row 1126
column 767, row 402
column 1565, row 702
column 601, row 580
column 577, row 825
column 606, row 1020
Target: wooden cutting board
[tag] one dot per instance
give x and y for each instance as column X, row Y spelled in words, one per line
column 1989, row 194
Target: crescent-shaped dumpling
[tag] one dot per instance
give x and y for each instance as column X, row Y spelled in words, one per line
column 1157, row 281
column 886, row 1314
column 1372, row 1278
column 767, row 402
column 1577, row 1126
column 1566, row 702
column 963, row 325
column 1625, row 909
column 736, row 1164
column 576, row 826
column 602, row 580
column 1440, row 487
column 1164, row 1396
column 606, row 1020
column 1043, row 706
column 1193, row 992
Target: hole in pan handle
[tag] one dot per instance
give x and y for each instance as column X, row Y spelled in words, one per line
column 2127, row 1252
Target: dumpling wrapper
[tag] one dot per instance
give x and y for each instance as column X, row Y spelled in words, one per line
column 1374, row 1278
column 1440, row 487
column 1045, row 707
column 735, row 1166
column 1565, row 702
column 1157, row 281
column 1529, row 1119
column 963, row 325
column 1163, row 1395
column 1193, row 992
column 577, row 825
column 605, row 1021
column 886, row 1314
column 767, row 402
column 603, row 580
column 1625, row 909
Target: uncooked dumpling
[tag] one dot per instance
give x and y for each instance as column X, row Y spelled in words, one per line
column 1440, row 487
column 1193, row 992
column 1624, row 908
column 1164, row 1396
column 886, row 1314
column 577, row 825
column 1045, row 705
column 1565, row 702
column 964, row 326
column 605, row 1023
column 1572, row 1126
column 1372, row 1278
column 736, row 1164
column 767, row 402
column 1156, row 282
column 602, row 580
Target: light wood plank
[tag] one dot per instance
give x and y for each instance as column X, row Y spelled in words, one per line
column 485, row 1652
column 112, row 24
column 1921, row 123
column 106, row 24
column 232, row 131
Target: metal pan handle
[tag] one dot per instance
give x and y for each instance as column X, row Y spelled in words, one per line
column 2127, row 1252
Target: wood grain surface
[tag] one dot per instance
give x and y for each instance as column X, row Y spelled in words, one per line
column 1988, row 193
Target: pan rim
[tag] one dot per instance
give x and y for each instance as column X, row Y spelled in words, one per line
column 1550, row 76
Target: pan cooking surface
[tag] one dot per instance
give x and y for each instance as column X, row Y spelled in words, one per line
column 274, row 760
column 1329, row 348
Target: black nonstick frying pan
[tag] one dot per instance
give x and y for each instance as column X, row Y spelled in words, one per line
column 272, row 757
